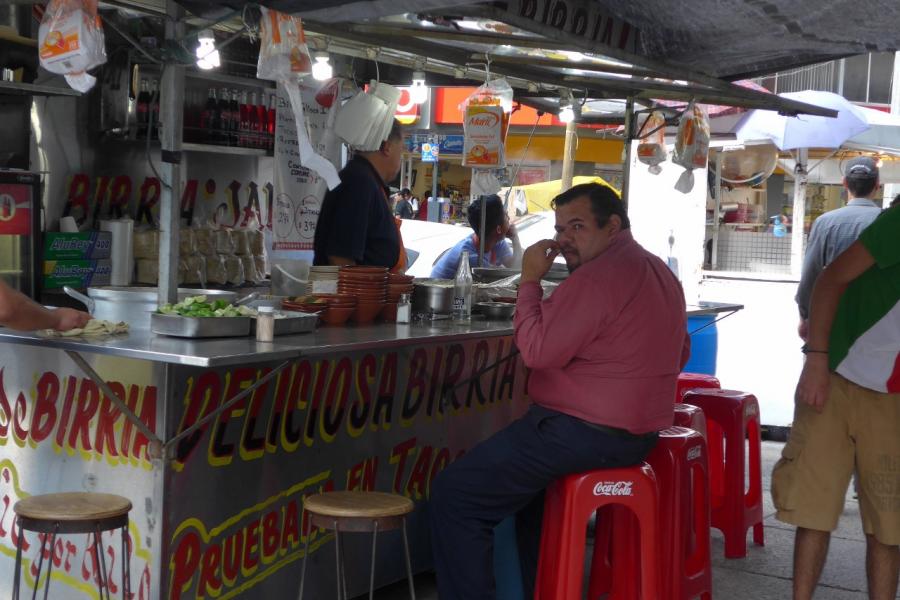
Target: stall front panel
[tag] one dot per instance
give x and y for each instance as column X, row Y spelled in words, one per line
column 59, row 433
column 386, row 419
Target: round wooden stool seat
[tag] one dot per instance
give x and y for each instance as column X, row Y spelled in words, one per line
column 72, row 506
column 366, row 505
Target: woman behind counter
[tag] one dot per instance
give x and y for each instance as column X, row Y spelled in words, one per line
column 497, row 251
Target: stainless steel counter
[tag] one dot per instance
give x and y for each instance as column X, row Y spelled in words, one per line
column 145, row 345
column 712, row 308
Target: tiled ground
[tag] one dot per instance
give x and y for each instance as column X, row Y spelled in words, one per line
column 766, row 572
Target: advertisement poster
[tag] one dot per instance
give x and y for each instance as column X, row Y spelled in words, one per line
column 298, row 190
column 15, row 209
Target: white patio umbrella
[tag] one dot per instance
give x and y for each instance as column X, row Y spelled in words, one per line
column 805, row 131
column 801, row 133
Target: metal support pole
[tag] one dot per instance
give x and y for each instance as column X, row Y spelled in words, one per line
column 481, row 231
column 568, row 166
column 434, row 189
column 799, row 214
column 714, row 252
column 626, row 151
column 171, row 106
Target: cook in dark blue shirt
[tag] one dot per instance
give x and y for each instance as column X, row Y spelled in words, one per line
column 356, row 224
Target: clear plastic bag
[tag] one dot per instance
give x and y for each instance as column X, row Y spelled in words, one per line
column 691, row 145
column 146, row 244
column 234, row 270
column 283, row 53
column 652, row 149
column 215, row 270
column 485, row 125
column 71, row 41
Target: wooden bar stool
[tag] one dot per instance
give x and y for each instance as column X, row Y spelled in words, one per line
column 74, row 512
column 357, row 512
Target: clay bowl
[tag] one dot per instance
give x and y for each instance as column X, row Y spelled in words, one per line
column 389, row 312
column 357, row 269
column 363, row 277
column 367, row 294
column 397, row 278
column 366, row 312
column 308, row 308
column 336, row 316
column 336, row 298
column 400, row 288
column 360, row 287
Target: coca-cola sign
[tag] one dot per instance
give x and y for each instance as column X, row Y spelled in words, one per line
column 613, row 488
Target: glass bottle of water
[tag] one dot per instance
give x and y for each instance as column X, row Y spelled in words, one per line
column 462, row 292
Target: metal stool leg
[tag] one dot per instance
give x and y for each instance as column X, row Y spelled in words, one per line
column 337, row 558
column 18, row 574
column 409, row 575
column 305, row 556
column 37, row 579
column 50, row 563
column 126, row 564
column 372, row 570
column 344, row 570
column 103, row 577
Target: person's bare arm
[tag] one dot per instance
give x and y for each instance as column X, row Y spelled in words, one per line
column 18, row 311
column 853, row 262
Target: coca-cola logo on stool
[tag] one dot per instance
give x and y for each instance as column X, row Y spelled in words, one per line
column 694, row 453
column 613, row 488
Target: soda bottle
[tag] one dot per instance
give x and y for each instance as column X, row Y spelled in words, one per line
column 235, row 110
column 224, row 117
column 142, row 110
column 244, row 140
column 209, row 117
column 462, row 290
column 270, row 123
column 262, row 121
column 252, row 123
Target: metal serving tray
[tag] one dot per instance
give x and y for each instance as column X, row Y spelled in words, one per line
column 199, row 327
column 292, row 322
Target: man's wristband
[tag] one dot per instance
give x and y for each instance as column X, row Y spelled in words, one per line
column 805, row 349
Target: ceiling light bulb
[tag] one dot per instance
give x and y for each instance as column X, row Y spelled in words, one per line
column 532, row 87
column 322, row 69
column 418, row 91
column 574, row 56
column 566, row 114
column 207, row 55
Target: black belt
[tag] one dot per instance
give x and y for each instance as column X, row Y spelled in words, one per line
column 624, row 433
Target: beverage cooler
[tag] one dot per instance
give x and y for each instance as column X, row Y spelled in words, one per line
column 20, row 226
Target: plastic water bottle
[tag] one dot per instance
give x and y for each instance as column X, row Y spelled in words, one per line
column 462, row 290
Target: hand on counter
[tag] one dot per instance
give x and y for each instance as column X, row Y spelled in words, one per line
column 69, row 318
column 538, row 259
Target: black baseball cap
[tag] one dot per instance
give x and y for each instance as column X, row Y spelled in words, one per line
column 861, row 167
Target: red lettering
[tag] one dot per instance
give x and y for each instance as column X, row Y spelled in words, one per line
column 150, row 193
column 44, row 418
column 232, row 560
column 209, row 573
column 88, row 401
column 5, row 411
column 120, row 196
column 20, row 417
column 398, row 457
column 369, row 473
column 77, row 197
column 290, row 533
column 251, row 543
column 270, row 535
column 184, row 563
column 105, row 437
column 71, row 384
column 417, row 486
column 189, row 200
column 127, row 427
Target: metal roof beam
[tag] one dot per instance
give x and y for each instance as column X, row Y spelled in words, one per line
column 568, row 64
column 467, row 37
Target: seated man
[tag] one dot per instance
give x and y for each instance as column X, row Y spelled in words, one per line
column 497, row 251
column 604, row 351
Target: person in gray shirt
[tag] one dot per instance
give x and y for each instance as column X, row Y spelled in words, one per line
column 836, row 230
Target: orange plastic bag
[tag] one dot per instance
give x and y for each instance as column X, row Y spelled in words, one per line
column 691, row 145
column 652, row 149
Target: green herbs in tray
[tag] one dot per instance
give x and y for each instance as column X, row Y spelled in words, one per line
column 197, row 306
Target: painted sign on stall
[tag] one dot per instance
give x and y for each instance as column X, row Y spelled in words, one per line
column 430, row 152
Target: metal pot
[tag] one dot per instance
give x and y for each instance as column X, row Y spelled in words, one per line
column 499, row 311
column 134, row 304
column 433, row 297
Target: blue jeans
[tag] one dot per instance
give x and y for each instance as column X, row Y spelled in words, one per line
column 505, row 475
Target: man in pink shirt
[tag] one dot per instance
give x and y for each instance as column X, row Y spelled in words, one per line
column 604, row 352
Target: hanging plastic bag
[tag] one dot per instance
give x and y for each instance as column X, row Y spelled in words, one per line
column 70, row 41
column 284, row 57
column 366, row 119
column 485, row 125
column 691, row 145
column 652, row 149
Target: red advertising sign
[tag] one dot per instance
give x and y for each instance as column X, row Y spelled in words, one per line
column 15, row 209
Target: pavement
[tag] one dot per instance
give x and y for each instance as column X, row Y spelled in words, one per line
column 765, row 573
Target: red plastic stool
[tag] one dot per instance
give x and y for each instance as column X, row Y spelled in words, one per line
column 679, row 461
column 570, row 502
column 731, row 418
column 690, row 381
column 690, row 416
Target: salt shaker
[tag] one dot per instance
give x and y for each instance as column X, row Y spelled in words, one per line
column 403, row 309
column 265, row 324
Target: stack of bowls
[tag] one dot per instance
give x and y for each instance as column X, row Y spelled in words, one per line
column 333, row 309
column 397, row 284
column 369, row 286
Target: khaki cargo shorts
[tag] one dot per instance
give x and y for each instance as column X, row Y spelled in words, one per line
column 857, row 428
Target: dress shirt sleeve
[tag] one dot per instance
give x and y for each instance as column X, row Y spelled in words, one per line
column 813, row 264
column 551, row 332
column 351, row 221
